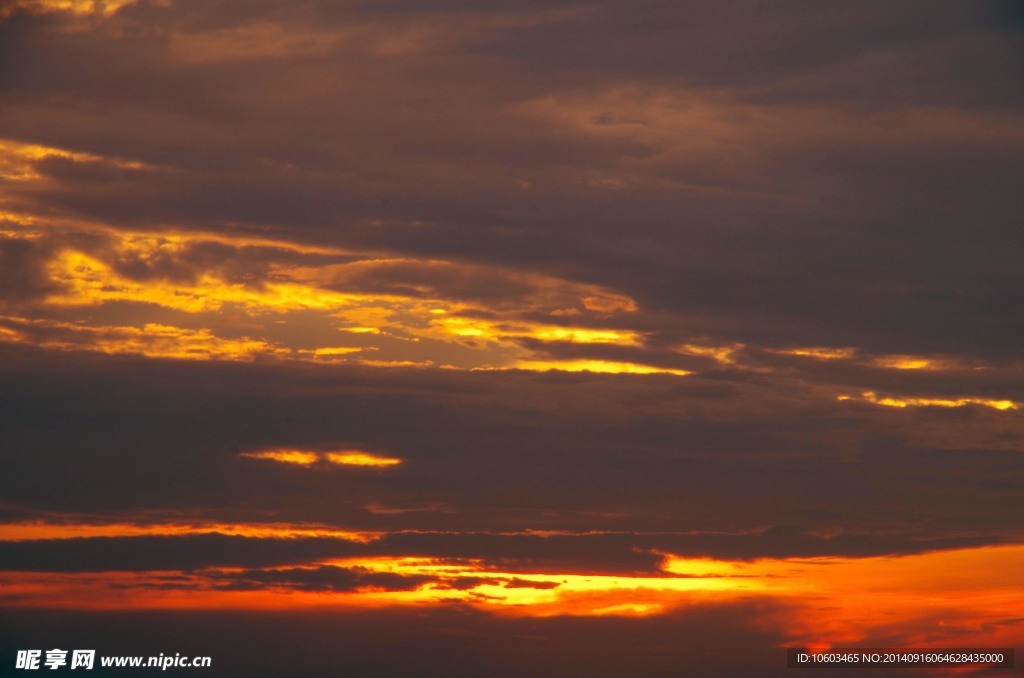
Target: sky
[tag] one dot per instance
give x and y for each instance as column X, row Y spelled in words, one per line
column 510, row 338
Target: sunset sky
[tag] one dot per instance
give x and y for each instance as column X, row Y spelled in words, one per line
column 397, row 338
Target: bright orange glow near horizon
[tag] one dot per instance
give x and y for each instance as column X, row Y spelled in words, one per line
column 923, row 597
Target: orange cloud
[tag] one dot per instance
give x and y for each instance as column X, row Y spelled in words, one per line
column 597, row 366
column 299, row 457
column 80, row 7
column 900, row 402
column 153, row 340
column 965, row 596
column 723, row 354
column 16, row 158
column 391, row 322
column 894, row 362
column 819, row 352
column 360, row 458
column 338, row 457
column 905, row 362
column 41, row 529
column 86, row 281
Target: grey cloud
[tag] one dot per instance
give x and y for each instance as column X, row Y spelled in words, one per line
column 21, row 274
column 714, row 640
column 272, row 561
column 501, row 451
column 322, row 578
column 166, row 553
column 906, row 230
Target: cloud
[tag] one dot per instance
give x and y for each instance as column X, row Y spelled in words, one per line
column 585, row 554
column 464, row 641
column 337, row 457
column 322, row 578
column 21, row 262
column 498, row 451
column 167, row 552
column 634, row 149
column 616, row 282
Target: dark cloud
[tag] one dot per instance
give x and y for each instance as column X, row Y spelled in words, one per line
column 322, row 578
column 611, row 554
column 497, row 451
column 752, row 175
column 708, row 161
column 21, row 274
column 516, row 583
column 167, row 553
column 711, row 640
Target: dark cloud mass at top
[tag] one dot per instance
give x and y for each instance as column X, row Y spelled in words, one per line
column 829, row 172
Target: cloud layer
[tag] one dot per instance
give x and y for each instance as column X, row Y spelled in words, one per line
column 426, row 305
